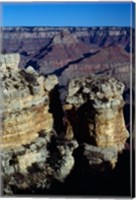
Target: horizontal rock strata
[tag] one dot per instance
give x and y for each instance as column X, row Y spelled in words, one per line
column 28, row 129
column 94, row 109
column 25, row 107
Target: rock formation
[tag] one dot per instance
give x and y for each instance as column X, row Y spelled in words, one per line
column 28, row 129
column 94, row 110
column 25, row 104
column 9, row 60
column 39, row 137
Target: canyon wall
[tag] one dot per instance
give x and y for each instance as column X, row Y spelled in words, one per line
column 68, row 51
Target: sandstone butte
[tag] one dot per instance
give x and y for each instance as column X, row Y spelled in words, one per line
column 94, row 114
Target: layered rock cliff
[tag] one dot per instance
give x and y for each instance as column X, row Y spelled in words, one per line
column 94, row 109
column 25, row 104
column 28, row 129
column 101, row 36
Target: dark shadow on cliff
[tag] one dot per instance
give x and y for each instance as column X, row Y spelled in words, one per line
column 79, row 122
column 34, row 64
column 84, row 181
column 56, row 110
column 59, row 71
column 129, row 110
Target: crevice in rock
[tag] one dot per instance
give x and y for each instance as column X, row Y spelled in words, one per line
column 55, row 107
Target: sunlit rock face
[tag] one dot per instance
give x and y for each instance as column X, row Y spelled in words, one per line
column 30, row 150
column 94, row 109
column 9, row 60
column 25, row 104
column 25, row 113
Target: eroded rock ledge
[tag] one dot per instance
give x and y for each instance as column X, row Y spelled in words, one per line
column 35, row 150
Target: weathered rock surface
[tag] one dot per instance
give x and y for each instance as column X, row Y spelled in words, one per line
column 25, row 104
column 28, row 128
column 61, row 162
column 9, row 60
column 94, row 109
column 39, row 140
column 35, row 166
